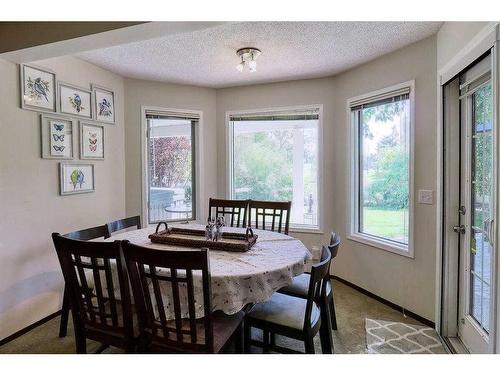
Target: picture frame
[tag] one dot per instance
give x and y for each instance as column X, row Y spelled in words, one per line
column 76, row 178
column 104, row 104
column 38, row 88
column 91, row 141
column 74, row 100
column 57, row 137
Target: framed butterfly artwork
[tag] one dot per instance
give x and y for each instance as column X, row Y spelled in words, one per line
column 91, row 141
column 104, row 104
column 57, row 136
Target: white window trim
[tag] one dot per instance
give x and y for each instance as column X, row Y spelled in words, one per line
column 229, row 161
column 144, row 160
column 352, row 188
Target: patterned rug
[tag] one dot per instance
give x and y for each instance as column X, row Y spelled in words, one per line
column 384, row 337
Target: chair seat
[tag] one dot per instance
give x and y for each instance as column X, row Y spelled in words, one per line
column 284, row 310
column 300, row 286
column 224, row 327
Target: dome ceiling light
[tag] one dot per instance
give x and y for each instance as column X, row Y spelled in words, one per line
column 248, row 56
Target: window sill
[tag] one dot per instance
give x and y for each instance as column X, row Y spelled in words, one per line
column 381, row 244
column 306, row 230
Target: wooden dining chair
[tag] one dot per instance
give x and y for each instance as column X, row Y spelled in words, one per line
column 99, row 313
column 82, row 235
column 300, row 284
column 294, row 317
column 181, row 331
column 118, row 225
column 277, row 215
column 234, row 211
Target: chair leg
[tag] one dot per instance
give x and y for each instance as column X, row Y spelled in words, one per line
column 332, row 313
column 325, row 330
column 273, row 339
column 309, row 345
column 80, row 339
column 63, row 326
column 247, row 337
column 238, row 339
column 265, row 339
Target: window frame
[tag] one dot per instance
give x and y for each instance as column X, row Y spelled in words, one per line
column 230, row 150
column 195, row 160
column 354, row 178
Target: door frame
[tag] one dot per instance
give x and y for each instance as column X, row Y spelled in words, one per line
column 446, row 274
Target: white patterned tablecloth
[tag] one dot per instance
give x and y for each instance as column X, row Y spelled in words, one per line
column 237, row 278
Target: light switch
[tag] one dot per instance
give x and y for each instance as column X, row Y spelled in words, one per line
column 426, row 197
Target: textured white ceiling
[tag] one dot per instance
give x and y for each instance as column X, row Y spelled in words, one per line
column 290, row 50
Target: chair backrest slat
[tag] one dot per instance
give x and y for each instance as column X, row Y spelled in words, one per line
column 274, row 211
column 98, row 290
column 115, row 226
column 177, row 304
column 176, row 316
column 111, row 295
column 191, row 302
column 234, row 209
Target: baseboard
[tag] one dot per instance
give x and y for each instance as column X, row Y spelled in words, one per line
column 29, row 328
column 409, row 313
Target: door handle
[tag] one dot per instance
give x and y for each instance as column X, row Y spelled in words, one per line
column 459, row 229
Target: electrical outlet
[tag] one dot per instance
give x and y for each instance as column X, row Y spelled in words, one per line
column 426, row 197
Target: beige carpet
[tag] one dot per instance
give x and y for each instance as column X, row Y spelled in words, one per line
column 387, row 337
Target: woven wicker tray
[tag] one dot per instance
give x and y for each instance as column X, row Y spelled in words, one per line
column 238, row 242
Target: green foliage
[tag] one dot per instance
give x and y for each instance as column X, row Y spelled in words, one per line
column 483, row 142
column 262, row 165
column 388, row 180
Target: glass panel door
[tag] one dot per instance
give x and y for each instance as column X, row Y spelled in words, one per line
column 481, row 206
column 477, row 213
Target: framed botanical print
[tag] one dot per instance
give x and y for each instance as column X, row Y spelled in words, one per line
column 57, row 136
column 74, row 100
column 76, row 178
column 104, row 104
column 38, row 89
column 91, row 141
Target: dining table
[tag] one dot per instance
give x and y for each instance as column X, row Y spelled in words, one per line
column 237, row 278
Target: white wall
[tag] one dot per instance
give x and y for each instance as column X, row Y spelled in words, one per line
column 30, row 206
column 407, row 282
column 452, row 37
column 155, row 94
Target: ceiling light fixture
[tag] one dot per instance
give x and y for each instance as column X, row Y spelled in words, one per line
column 248, row 56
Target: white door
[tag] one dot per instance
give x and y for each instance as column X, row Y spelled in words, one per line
column 477, row 208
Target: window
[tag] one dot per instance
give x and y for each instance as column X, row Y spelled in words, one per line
column 382, row 168
column 274, row 156
column 170, row 166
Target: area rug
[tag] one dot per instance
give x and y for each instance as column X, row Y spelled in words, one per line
column 383, row 337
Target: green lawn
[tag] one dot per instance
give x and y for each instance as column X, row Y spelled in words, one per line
column 386, row 223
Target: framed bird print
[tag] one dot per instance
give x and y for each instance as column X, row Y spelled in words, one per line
column 38, row 89
column 74, row 100
column 104, row 104
column 58, row 137
column 91, row 141
column 76, row 178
